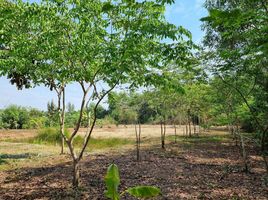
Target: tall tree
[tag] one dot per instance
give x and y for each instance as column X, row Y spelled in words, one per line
column 98, row 44
column 236, row 35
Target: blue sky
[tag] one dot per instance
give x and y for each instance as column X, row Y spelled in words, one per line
column 184, row 12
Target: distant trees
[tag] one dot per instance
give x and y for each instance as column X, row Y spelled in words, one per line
column 16, row 117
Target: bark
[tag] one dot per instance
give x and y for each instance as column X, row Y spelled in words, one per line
column 244, row 154
column 190, row 131
column 76, row 173
column 163, row 134
column 175, row 132
column 138, row 141
column 61, row 112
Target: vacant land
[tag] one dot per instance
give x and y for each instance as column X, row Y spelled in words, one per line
column 205, row 167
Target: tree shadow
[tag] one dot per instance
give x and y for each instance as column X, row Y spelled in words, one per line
column 5, row 157
column 178, row 174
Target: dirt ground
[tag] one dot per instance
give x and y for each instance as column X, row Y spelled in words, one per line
column 189, row 169
column 121, row 131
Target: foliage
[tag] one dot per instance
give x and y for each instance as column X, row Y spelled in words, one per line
column 237, row 49
column 14, row 117
column 49, row 136
column 112, row 181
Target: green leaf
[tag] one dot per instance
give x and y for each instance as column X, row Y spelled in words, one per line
column 112, row 181
column 144, row 191
column 107, row 7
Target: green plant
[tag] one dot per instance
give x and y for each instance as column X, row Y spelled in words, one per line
column 112, row 181
column 49, row 136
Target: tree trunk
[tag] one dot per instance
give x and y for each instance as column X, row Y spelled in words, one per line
column 175, row 132
column 61, row 112
column 163, row 135
column 244, row 154
column 138, row 141
column 190, row 131
column 194, row 128
column 76, row 174
column 264, row 140
column 62, row 145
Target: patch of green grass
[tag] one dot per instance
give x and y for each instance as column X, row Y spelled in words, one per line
column 200, row 139
column 51, row 136
column 48, row 136
column 102, row 143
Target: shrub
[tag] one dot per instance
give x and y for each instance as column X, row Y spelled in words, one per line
column 49, row 136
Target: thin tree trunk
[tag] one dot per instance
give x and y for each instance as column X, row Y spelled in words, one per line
column 138, row 141
column 76, row 173
column 61, row 112
column 175, row 132
column 194, row 128
column 190, row 131
column 244, row 154
column 162, row 132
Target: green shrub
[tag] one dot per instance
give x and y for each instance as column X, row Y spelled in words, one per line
column 107, row 120
column 49, row 136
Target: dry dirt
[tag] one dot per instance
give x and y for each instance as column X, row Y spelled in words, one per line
column 185, row 170
column 121, row 131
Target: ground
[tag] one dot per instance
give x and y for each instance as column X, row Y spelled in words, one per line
column 204, row 167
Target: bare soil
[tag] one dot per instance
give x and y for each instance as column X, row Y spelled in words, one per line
column 185, row 170
column 121, row 131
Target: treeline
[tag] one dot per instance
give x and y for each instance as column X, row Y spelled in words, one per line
column 18, row 117
column 197, row 104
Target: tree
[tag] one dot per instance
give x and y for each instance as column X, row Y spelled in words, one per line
column 236, row 37
column 98, row 44
column 14, row 117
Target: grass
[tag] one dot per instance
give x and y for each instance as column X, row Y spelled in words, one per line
column 16, row 155
column 102, row 143
column 200, row 139
column 51, row 136
column 45, row 146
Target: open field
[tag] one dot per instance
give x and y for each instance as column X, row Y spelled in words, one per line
column 204, row 167
column 121, row 131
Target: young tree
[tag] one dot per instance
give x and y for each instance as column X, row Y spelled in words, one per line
column 98, row 44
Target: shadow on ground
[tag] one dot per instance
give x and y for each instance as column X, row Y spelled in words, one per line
column 199, row 171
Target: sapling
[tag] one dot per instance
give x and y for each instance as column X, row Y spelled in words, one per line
column 112, row 181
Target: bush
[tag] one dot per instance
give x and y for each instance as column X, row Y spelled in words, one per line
column 49, row 136
column 107, row 120
column 14, row 117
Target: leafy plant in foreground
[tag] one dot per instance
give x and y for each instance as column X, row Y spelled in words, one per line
column 112, row 181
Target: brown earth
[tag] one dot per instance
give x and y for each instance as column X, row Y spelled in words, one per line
column 121, row 131
column 186, row 170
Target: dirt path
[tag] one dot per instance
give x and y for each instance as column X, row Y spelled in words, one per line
column 188, row 170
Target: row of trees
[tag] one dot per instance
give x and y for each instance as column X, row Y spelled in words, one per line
column 97, row 44
column 199, row 104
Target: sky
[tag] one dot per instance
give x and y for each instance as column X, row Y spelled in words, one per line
column 186, row 13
